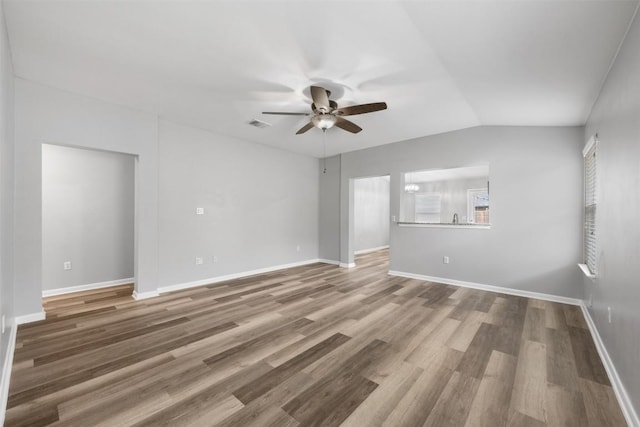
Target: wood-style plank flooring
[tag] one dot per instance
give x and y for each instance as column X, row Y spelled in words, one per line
column 312, row 345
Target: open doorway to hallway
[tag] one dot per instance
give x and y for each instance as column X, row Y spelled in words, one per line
column 371, row 198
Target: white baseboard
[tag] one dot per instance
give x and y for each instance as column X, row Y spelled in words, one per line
column 28, row 318
column 144, row 295
column 347, row 265
column 88, row 287
column 6, row 372
column 211, row 280
column 624, row 400
column 366, row 251
column 329, row 261
column 490, row 288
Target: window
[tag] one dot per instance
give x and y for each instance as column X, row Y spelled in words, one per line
column 428, row 207
column 478, row 205
column 590, row 204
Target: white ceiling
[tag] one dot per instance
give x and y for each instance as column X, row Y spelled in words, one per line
column 439, row 65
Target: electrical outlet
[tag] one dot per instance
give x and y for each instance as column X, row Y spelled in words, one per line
column 199, row 260
column 199, row 211
column 590, row 303
column 215, row 259
column 609, row 313
column 298, row 248
column 393, row 218
column 67, row 265
column 445, row 259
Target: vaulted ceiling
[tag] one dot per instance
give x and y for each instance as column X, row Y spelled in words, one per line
column 439, row 65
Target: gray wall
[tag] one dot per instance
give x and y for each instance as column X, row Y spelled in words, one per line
column 87, row 216
column 534, row 240
column 6, row 190
column 371, row 212
column 48, row 116
column 260, row 204
column 616, row 119
column 329, row 221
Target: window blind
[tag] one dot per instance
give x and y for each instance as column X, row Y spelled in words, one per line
column 427, row 207
column 590, row 205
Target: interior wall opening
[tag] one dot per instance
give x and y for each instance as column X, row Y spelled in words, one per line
column 88, row 219
column 371, row 214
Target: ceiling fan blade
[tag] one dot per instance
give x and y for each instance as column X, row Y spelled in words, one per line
column 284, row 113
column 320, row 98
column 361, row 109
column 305, row 128
column 347, row 125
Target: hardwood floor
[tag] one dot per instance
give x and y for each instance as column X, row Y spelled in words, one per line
column 312, row 345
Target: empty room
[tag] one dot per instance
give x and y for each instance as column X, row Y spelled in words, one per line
column 293, row 213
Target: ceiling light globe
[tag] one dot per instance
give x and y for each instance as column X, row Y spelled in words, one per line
column 324, row 121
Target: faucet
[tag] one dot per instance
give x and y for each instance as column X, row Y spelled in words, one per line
column 455, row 218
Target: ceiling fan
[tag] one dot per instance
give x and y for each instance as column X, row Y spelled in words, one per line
column 325, row 113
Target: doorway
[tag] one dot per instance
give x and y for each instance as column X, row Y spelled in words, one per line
column 371, row 214
column 88, row 219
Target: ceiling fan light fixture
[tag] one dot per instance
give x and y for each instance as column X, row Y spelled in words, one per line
column 325, row 113
column 324, row 121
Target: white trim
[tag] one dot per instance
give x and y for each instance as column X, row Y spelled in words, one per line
column 88, row 287
column 347, row 265
column 624, row 400
column 329, row 261
column 144, row 295
column 585, row 269
column 28, row 318
column 490, row 288
column 211, row 280
column 366, row 251
column 6, row 372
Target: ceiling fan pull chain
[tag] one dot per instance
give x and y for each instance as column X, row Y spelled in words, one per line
column 324, row 151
